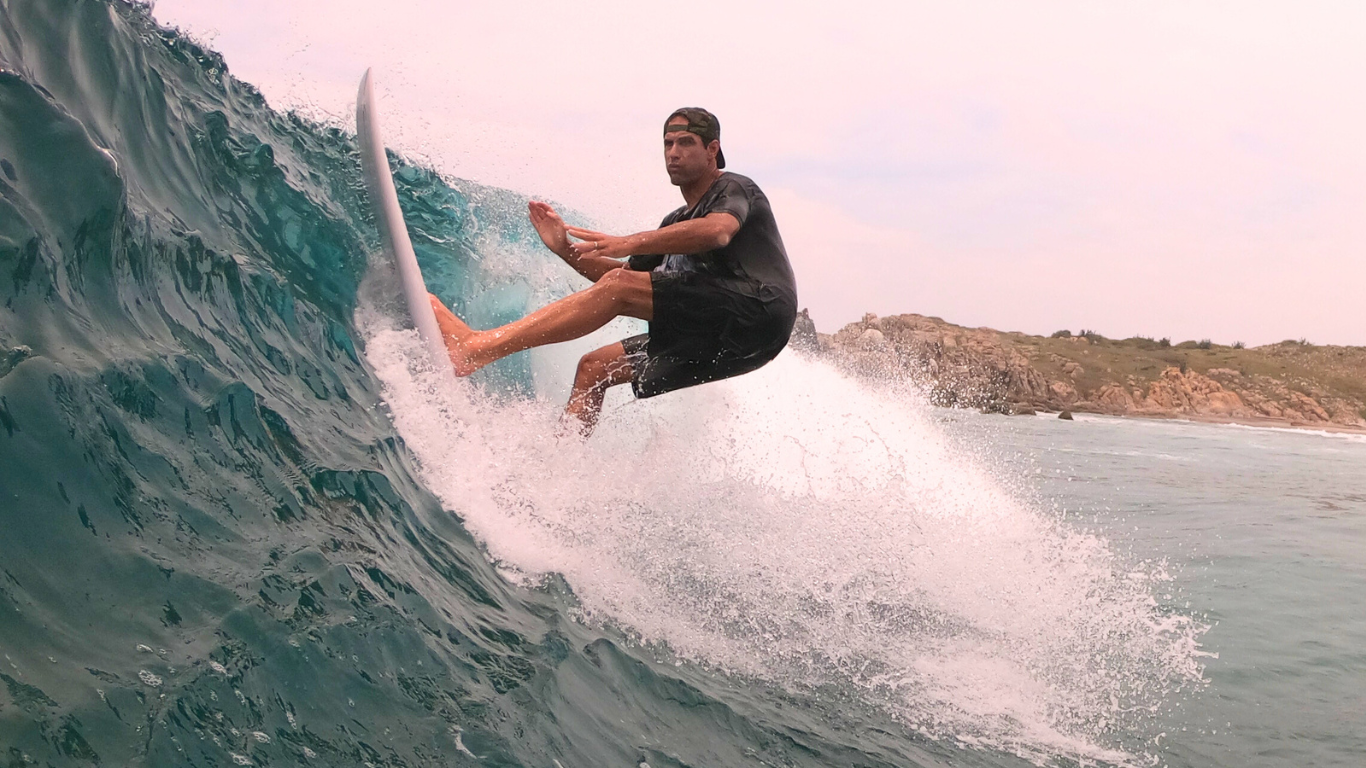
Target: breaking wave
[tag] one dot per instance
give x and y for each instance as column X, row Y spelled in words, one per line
column 244, row 521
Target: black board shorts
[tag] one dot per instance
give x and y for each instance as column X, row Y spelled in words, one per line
column 707, row 328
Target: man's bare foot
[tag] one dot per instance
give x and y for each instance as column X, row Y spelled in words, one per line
column 450, row 325
column 460, row 339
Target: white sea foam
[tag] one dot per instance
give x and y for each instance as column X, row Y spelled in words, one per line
column 1352, row 437
column 798, row 526
column 1179, row 423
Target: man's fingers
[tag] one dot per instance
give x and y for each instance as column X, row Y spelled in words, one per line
column 540, row 213
column 586, row 234
column 599, row 247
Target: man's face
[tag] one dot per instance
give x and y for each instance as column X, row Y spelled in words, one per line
column 686, row 158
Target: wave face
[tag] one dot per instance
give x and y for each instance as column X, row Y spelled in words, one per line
column 243, row 523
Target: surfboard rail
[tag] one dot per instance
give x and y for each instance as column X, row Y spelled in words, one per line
column 398, row 247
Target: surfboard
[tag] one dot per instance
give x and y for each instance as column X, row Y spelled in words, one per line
column 393, row 230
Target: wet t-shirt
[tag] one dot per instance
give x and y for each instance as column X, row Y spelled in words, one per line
column 755, row 251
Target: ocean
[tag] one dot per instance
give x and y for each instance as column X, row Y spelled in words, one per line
column 244, row 521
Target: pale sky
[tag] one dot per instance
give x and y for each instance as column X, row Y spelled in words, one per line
column 1183, row 169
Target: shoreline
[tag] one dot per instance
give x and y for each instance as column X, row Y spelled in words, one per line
column 1277, row 424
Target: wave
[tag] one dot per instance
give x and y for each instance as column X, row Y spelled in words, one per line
column 849, row 552
column 243, row 524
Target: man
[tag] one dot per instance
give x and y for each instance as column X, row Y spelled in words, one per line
column 713, row 281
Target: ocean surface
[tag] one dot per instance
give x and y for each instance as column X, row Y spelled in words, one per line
column 244, row 522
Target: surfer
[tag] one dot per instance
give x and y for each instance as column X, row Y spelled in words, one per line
column 713, row 282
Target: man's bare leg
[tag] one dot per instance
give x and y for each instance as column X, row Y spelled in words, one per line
column 620, row 292
column 598, row 371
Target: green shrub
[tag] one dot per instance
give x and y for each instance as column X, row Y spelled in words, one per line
column 1205, row 344
column 1239, row 345
column 1064, row 334
column 1164, row 342
column 1091, row 336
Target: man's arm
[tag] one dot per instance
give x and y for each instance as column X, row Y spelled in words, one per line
column 591, row 266
column 693, row 236
column 551, row 228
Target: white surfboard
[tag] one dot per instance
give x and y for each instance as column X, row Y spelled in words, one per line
column 379, row 182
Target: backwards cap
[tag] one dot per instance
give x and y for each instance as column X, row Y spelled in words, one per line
column 701, row 123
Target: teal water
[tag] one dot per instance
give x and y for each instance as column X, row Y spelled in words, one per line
column 242, row 522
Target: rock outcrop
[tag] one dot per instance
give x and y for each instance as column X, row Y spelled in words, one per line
column 804, row 333
column 1290, row 383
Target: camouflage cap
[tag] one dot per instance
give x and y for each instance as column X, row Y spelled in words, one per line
column 700, row 122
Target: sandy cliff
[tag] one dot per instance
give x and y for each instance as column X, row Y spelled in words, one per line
column 1290, row 383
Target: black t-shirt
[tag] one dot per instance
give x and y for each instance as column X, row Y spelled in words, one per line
column 755, row 251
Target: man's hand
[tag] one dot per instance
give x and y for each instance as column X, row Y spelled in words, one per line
column 550, row 227
column 598, row 244
column 588, row 259
column 600, row 253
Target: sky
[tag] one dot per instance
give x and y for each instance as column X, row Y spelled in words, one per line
column 1188, row 170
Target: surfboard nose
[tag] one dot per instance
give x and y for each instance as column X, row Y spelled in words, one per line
column 363, row 103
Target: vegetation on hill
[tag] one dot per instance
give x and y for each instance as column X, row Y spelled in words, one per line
column 1293, row 383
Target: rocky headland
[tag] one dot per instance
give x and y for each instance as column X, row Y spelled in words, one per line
column 1292, row 383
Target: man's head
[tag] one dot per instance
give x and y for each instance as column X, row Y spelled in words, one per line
column 692, row 145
